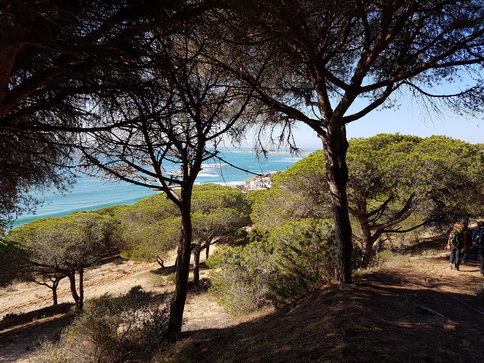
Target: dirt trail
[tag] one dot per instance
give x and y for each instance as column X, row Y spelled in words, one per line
column 411, row 309
column 425, row 280
column 113, row 278
column 30, row 301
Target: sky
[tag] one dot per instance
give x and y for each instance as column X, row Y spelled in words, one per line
column 409, row 118
column 406, row 121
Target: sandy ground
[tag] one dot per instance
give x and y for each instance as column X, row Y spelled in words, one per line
column 425, row 278
column 114, row 278
column 111, row 278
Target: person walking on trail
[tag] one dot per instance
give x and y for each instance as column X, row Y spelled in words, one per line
column 467, row 243
column 478, row 238
column 455, row 243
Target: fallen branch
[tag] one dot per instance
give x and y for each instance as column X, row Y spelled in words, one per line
column 160, row 262
column 469, row 306
column 443, row 293
column 432, row 311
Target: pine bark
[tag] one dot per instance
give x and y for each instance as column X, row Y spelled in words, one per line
column 182, row 271
column 335, row 148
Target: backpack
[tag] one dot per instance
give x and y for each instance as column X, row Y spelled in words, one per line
column 479, row 236
column 455, row 238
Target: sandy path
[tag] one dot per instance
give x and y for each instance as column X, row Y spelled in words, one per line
column 201, row 310
column 111, row 278
column 422, row 273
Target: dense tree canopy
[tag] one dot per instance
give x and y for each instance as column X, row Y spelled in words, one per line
column 297, row 193
column 151, row 227
column 330, row 63
column 65, row 246
column 46, row 51
column 56, row 62
column 29, row 162
column 435, row 180
column 396, row 183
column 56, row 54
column 11, row 257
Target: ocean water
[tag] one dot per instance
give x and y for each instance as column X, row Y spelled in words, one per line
column 91, row 193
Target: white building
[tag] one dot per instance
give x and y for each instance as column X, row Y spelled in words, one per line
column 260, row 182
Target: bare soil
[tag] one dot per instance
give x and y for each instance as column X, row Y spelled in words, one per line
column 414, row 308
column 27, row 316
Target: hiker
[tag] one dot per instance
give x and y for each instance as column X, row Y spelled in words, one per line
column 473, row 246
column 455, row 243
column 467, row 243
column 478, row 238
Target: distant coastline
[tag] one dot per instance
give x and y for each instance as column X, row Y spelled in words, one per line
column 305, row 153
column 92, row 194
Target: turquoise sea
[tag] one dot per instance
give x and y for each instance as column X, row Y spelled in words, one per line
column 91, row 193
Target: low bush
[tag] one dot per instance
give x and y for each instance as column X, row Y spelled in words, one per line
column 240, row 277
column 390, row 259
column 123, row 329
column 480, row 290
column 381, row 258
column 303, row 259
column 297, row 258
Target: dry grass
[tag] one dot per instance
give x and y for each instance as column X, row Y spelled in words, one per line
column 409, row 309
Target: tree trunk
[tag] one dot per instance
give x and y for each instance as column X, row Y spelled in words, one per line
column 366, row 237
column 207, row 251
column 55, row 285
column 54, row 296
column 367, row 253
column 80, row 304
column 196, row 266
column 182, row 270
column 72, row 280
column 335, row 148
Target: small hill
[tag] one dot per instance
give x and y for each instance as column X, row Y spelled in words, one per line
column 412, row 308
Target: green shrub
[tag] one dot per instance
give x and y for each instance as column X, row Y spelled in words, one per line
column 357, row 257
column 480, row 290
column 429, row 253
column 297, row 258
column 382, row 257
column 171, row 278
column 390, row 259
column 152, row 241
column 244, row 237
column 122, row 329
column 303, row 258
column 239, row 277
